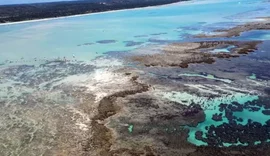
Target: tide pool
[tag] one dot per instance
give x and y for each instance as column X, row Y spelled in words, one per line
column 211, row 107
column 208, row 76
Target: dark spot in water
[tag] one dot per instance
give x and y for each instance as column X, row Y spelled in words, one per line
column 199, row 135
column 106, row 41
column 157, row 40
column 234, row 131
column 227, row 71
column 140, row 36
column 254, row 109
column 84, row 44
column 132, row 43
column 266, row 112
column 202, row 22
column 240, row 119
column 217, row 117
column 267, row 90
column 235, row 107
column 156, row 34
column 174, row 77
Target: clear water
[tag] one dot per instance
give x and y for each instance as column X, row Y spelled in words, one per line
column 223, row 50
column 76, row 38
column 212, row 108
column 60, row 38
column 208, row 76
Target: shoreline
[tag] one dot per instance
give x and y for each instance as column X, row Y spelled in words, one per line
column 88, row 14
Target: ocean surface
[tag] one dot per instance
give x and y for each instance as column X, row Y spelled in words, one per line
column 85, row 38
column 81, row 36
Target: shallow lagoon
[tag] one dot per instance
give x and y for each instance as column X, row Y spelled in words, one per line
column 87, row 37
column 61, row 37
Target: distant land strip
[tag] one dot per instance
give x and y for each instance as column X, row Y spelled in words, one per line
column 25, row 12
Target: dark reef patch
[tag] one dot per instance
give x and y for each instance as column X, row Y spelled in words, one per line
column 102, row 136
column 132, row 43
column 266, row 112
column 235, row 131
column 106, row 41
column 217, row 117
column 85, row 44
column 192, row 110
column 144, row 102
column 154, row 40
column 156, row 34
column 267, row 91
column 138, row 36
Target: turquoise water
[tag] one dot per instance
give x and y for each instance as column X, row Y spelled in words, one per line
column 208, row 76
column 223, row 50
column 213, row 108
column 60, row 38
column 252, row 76
column 83, row 38
column 255, row 116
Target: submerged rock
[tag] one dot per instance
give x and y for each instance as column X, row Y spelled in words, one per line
column 266, row 112
column 217, row 117
column 267, row 91
column 106, row 41
column 199, row 135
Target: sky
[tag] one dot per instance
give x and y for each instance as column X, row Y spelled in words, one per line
column 3, row 2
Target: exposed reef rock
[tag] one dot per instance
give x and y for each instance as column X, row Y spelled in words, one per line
column 101, row 140
column 63, row 108
column 145, row 121
column 264, row 24
column 231, row 151
column 183, row 54
column 192, row 110
column 106, row 41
